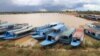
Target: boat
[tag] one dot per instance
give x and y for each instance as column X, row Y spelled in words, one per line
column 47, row 26
column 66, row 36
column 77, row 37
column 97, row 17
column 18, row 33
column 40, row 32
column 4, row 27
column 93, row 30
column 53, row 37
column 92, row 17
column 7, row 27
column 3, row 22
column 81, row 15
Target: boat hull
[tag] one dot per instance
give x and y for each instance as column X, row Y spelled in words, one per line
column 38, row 37
column 47, row 43
column 74, row 44
column 89, row 34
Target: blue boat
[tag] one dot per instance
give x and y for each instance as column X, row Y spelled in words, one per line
column 53, row 37
column 50, row 39
column 18, row 33
column 41, row 32
column 66, row 36
column 7, row 27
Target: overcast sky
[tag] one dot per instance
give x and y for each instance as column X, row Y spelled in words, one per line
column 48, row 5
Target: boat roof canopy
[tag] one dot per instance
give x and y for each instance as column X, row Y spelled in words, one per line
column 58, row 27
column 6, row 24
column 18, row 31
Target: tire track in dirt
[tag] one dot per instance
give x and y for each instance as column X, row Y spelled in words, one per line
column 25, row 41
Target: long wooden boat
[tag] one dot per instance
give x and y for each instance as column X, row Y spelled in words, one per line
column 53, row 37
column 66, row 36
column 18, row 33
column 93, row 30
column 41, row 32
column 77, row 37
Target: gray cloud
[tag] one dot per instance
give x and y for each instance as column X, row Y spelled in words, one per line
column 50, row 5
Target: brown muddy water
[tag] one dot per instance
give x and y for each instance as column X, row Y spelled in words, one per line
column 38, row 19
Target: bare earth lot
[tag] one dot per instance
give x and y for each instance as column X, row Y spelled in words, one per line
column 38, row 19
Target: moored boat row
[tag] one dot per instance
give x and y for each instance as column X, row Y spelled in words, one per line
column 50, row 33
column 90, row 16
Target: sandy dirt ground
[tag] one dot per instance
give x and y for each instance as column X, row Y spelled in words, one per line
column 38, row 19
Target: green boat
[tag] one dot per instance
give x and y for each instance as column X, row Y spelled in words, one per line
column 66, row 36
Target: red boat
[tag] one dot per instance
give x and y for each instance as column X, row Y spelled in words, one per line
column 77, row 37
